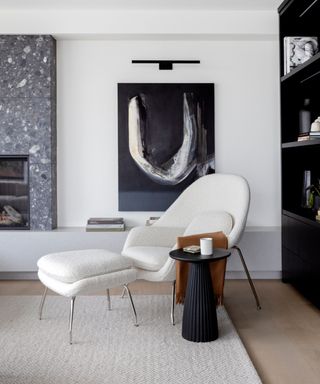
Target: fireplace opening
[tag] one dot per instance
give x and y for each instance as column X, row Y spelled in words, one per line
column 14, row 192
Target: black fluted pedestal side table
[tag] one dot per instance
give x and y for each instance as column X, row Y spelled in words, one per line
column 199, row 322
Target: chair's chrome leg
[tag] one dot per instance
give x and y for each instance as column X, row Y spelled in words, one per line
column 249, row 277
column 132, row 305
column 123, row 293
column 71, row 318
column 173, row 301
column 108, row 298
column 42, row 302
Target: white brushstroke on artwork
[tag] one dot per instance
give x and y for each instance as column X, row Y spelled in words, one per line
column 181, row 164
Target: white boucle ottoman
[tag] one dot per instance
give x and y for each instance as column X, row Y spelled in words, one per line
column 76, row 272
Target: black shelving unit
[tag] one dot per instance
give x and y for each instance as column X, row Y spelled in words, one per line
column 300, row 230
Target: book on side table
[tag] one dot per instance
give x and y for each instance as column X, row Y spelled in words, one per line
column 192, row 249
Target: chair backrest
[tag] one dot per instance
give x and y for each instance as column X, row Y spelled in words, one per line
column 220, row 192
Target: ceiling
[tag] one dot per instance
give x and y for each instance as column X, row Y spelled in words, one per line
column 150, row 5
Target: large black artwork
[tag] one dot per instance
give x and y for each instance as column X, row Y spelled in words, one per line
column 166, row 141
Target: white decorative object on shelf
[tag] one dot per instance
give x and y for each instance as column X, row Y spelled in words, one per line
column 315, row 126
column 297, row 50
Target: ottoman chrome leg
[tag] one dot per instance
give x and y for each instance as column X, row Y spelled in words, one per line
column 108, row 298
column 71, row 318
column 42, row 302
column 173, row 302
column 132, row 305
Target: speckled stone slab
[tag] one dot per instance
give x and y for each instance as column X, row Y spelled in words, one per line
column 28, row 117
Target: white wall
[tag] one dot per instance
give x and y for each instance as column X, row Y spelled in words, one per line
column 116, row 22
column 245, row 74
column 238, row 52
column 21, row 250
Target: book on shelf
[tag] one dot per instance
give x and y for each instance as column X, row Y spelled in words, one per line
column 152, row 220
column 303, row 138
column 105, row 220
column 105, row 224
column 115, row 226
column 89, row 229
column 309, row 136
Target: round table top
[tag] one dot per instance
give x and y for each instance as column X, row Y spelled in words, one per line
column 218, row 254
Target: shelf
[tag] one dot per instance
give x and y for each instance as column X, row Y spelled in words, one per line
column 306, row 216
column 305, row 71
column 284, row 6
column 299, row 10
column 300, row 229
column 305, row 143
column 65, row 230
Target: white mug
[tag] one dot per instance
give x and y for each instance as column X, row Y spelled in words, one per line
column 206, row 246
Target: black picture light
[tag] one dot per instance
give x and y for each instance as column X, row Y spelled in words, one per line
column 165, row 64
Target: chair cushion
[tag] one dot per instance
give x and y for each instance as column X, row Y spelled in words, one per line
column 72, row 266
column 210, row 221
column 149, row 258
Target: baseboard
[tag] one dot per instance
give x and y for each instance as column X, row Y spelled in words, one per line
column 235, row 275
column 18, row 276
column 258, row 275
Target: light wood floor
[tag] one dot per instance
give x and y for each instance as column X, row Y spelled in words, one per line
column 283, row 339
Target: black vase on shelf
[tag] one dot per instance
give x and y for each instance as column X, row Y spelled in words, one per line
column 306, row 189
column 316, row 204
column 305, row 117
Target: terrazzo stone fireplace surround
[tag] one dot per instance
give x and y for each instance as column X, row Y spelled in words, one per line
column 28, row 117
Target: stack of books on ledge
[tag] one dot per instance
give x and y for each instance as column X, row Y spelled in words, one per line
column 105, row 224
column 309, row 136
column 152, row 220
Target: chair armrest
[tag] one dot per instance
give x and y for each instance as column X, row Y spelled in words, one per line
column 153, row 236
column 236, row 234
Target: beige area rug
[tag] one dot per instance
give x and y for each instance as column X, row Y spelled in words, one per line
column 109, row 349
